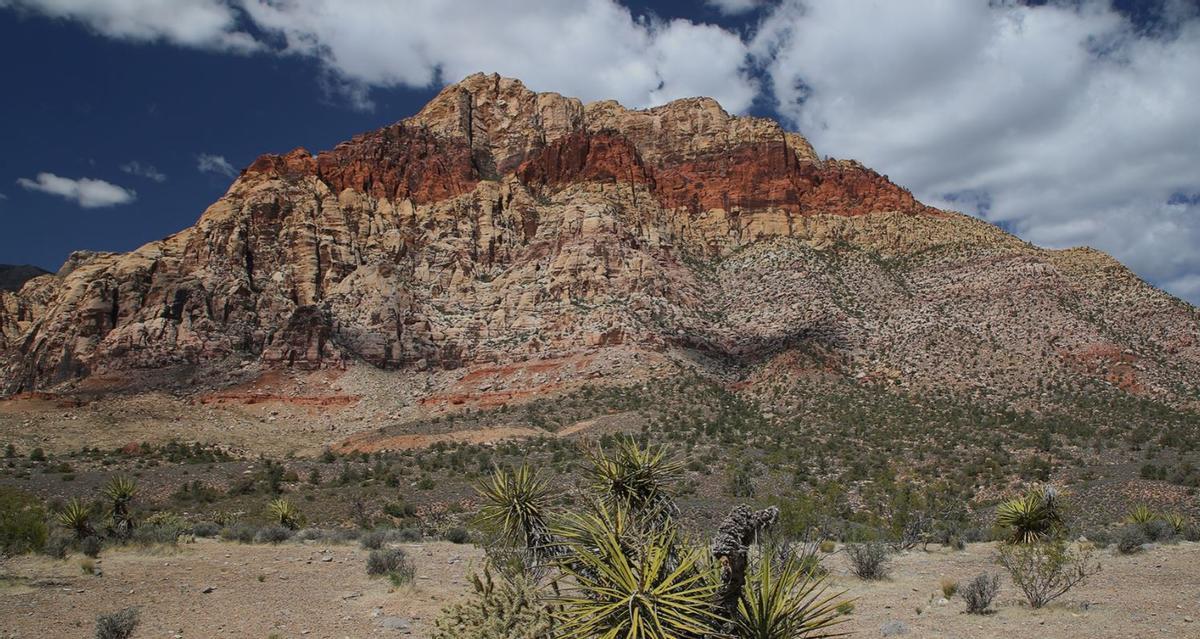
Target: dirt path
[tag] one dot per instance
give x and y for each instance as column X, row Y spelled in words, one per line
column 303, row 594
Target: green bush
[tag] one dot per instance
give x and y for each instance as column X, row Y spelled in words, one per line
column 458, row 535
column 1047, row 570
column 206, row 529
column 91, row 546
column 869, row 561
column 1130, row 539
column 273, row 534
column 393, row 562
column 22, row 522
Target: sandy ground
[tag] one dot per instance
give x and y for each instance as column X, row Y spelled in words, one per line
column 301, row 594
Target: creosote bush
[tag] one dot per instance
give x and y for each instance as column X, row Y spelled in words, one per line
column 979, row 593
column 393, row 562
column 1130, row 539
column 1047, row 570
column 869, row 560
column 118, row 625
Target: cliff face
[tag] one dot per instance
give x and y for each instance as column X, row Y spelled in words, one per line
column 499, row 225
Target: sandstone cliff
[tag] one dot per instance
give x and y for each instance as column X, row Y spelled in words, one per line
column 499, row 226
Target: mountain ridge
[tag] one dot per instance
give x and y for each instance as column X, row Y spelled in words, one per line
column 500, row 227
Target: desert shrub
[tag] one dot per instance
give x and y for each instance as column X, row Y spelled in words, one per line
column 87, row 566
column 393, row 562
column 1045, row 571
column 869, row 560
column 160, row 528
column 949, row 588
column 513, row 609
column 37, row 455
column 1130, row 539
column 409, row 535
column 310, row 534
column 400, row 509
column 1158, row 530
column 58, row 544
column 273, row 534
column 376, row 539
column 979, row 593
column 240, row 532
column 206, row 529
column 22, row 522
column 90, row 546
column 118, row 625
column 1035, row 516
column 458, row 535
column 828, row 546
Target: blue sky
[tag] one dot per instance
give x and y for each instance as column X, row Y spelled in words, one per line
column 1069, row 122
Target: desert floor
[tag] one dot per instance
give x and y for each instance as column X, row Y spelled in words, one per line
column 220, row 589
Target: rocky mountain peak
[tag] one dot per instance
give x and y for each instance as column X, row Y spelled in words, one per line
column 499, row 227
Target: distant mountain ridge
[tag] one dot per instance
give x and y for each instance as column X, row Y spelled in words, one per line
column 14, row 276
column 499, row 228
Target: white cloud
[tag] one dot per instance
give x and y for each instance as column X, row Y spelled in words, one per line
column 205, row 24
column 1064, row 121
column 86, row 192
column 207, row 163
column 143, row 170
column 734, row 7
column 593, row 49
column 3, row 196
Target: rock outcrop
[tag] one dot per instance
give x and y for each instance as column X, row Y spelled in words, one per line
column 499, row 225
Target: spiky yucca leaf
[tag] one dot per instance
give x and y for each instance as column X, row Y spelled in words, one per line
column 637, row 477
column 516, row 506
column 787, row 601
column 77, row 516
column 1177, row 522
column 1033, row 517
column 285, row 513
column 642, row 584
column 1140, row 514
column 120, row 489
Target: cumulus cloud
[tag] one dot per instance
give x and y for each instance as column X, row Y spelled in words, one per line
column 734, row 7
column 207, row 163
column 143, row 170
column 204, row 24
column 1065, row 122
column 593, row 49
column 85, row 192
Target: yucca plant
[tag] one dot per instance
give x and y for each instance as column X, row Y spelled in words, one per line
column 787, row 601
column 120, row 491
column 633, row 582
column 516, row 507
column 77, row 517
column 1035, row 516
column 637, row 477
column 1176, row 521
column 286, row 514
column 1141, row 515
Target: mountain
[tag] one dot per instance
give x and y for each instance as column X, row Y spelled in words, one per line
column 14, row 276
column 502, row 244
